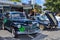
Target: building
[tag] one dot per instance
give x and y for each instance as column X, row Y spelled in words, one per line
column 7, row 5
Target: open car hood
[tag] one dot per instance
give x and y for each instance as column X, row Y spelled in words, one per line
column 22, row 20
column 52, row 18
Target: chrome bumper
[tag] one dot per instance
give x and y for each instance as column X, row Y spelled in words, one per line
column 28, row 32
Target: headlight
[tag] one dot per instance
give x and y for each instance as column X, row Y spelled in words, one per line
column 34, row 22
column 38, row 24
column 18, row 26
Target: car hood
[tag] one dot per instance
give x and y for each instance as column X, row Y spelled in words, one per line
column 22, row 20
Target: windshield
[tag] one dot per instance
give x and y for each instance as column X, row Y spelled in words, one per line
column 43, row 17
column 18, row 16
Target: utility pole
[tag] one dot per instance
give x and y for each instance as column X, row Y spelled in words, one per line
column 33, row 3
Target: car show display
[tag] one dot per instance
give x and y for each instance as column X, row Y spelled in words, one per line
column 17, row 23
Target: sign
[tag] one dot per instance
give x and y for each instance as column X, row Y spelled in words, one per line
column 27, row 7
column 22, row 29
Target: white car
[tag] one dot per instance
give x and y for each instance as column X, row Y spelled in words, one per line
column 58, row 19
column 46, row 20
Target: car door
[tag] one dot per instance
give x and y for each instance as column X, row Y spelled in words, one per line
column 8, row 22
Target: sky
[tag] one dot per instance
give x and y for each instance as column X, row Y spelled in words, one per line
column 40, row 2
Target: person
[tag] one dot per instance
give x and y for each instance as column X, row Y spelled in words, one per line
column 1, row 19
column 31, row 15
column 7, row 21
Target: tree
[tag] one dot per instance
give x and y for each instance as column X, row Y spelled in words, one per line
column 52, row 5
column 38, row 8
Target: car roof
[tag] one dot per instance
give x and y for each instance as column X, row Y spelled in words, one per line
column 14, row 12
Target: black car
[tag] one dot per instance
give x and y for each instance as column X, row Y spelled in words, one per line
column 17, row 23
column 1, row 20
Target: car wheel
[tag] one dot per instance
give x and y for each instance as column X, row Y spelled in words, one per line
column 13, row 32
column 42, row 27
column 55, row 27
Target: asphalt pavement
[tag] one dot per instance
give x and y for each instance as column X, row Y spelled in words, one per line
column 42, row 35
column 5, row 35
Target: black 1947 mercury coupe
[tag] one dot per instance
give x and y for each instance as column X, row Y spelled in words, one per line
column 17, row 23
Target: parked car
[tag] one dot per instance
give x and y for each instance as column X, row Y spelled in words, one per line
column 58, row 19
column 1, row 20
column 46, row 20
column 17, row 23
column 42, row 20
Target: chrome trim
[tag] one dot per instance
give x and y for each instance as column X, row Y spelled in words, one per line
column 36, row 31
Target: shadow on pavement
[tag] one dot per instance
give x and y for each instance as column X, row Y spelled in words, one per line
column 35, row 37
column 40, row 37
column 25, row 37
column 8, row 38
column 57, row 29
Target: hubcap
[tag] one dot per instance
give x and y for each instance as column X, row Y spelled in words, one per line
column 41, row 27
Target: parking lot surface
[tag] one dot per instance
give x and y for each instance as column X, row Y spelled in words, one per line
column 43, row 35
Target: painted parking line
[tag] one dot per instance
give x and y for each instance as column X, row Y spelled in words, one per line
column 30, row 36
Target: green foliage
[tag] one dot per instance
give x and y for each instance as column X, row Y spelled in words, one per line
column 38, row 8
column 53, row 5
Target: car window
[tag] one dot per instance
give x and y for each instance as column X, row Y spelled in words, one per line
column 7, row 15
column 43, row 17
column 15, row 16
column 18, row 15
